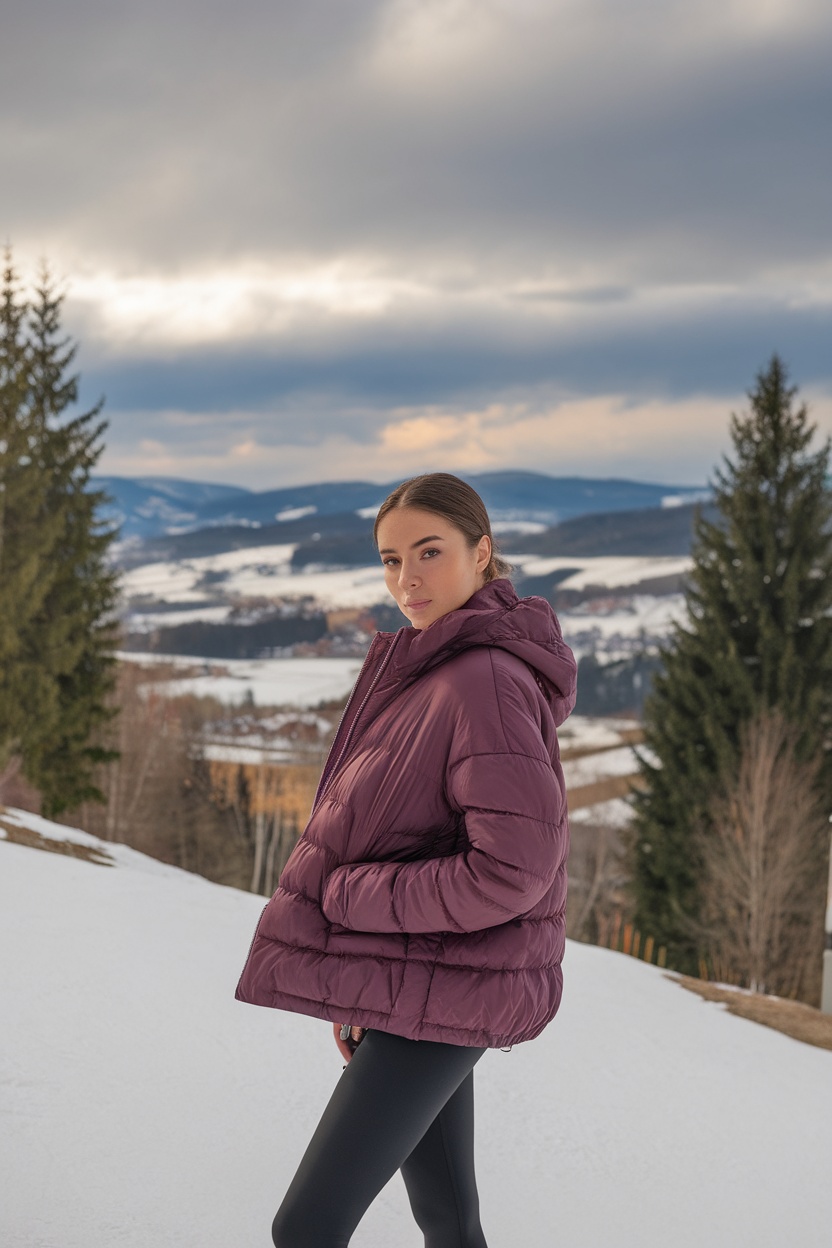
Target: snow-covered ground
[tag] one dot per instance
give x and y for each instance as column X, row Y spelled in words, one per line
column 148, row 621
column 613, row 624
column 270, row 682
column 246, row 571
column 257, row 572
column 585, row 733
column 593, row 750
column 615, row 813
column 629, row 618
column 593, row 767
column 610, row 571
column 142, row 1106
column 264, row 571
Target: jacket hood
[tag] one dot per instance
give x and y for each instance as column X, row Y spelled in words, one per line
column 495, row 616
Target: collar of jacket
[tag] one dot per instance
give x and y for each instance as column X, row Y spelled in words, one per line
column 493, row 616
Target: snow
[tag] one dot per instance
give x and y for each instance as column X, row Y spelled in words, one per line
column 170, row 581
column 517, row 526
column 592, row 767
column 610, row 572
column 294, row 513
column 270, row 682
column 147, row 621
column 685, row 500
column 614, row 624
column 249, row 574
column 244, row 572
column 615, row 813
column 582, row 732
column 248, row 755
column 643, row 613
column 265, row 570
column 142, row 1106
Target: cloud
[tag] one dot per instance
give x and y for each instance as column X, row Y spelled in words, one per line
column 438, row 348
column 640, row 140
column 355, row 226
column 608, row 435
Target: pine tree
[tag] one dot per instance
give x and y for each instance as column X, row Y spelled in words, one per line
column 757, row 637
column 28, row 531
column 57, row 686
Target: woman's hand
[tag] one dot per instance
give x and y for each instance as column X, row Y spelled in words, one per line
column 343, row 1047
column 347, row 1047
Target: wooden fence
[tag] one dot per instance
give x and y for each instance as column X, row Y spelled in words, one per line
column 626, row 938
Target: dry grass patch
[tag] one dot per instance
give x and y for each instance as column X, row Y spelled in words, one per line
column 34, row 840
column 795, row 1019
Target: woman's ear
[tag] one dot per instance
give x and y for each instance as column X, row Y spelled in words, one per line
column 483, row 552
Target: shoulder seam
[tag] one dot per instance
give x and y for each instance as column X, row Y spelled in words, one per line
column 497, row 696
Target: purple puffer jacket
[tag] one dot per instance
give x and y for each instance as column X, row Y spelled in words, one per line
column 427, row 894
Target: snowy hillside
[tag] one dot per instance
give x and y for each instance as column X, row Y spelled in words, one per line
column 143, row 1106
column 270, row 682
column 265, row 570
column 614, row 621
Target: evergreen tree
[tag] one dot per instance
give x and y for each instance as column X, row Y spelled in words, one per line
column 55, row 692
column 28, row 531
column 757, row 637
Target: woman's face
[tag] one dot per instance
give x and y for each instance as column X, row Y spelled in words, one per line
column 428, row 565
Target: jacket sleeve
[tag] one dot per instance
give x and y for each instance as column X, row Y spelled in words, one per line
column 514, row 809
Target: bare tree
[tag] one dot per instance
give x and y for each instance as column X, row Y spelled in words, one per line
column 269, row 804
column 158, row 793
column 597, row 881
column 15, row 789
column 762, row 859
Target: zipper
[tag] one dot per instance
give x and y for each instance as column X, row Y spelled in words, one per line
column 328, row 764
column 329, row 770
column 326, row 770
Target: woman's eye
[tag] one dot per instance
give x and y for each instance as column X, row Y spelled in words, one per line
column 430, row 551
column 389, row 561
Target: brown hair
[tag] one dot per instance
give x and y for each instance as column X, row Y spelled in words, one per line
column 455, row 501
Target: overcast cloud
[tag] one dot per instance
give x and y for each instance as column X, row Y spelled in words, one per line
column 365, row 238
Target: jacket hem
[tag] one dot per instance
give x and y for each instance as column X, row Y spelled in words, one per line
column 379, row 1021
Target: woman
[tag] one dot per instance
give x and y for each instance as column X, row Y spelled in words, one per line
column 422, row 911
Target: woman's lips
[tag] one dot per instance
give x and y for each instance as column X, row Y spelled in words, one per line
column 418, row 605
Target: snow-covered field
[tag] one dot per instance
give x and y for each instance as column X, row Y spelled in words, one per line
column 610, row 572
column 270, row 682
column 593, row 767
column 584, row 733
column 143, row 1107
column 594, row 750
column 629, row 619
column 264, row 571
column 258, row 572
column 248, row 571
column 615, row 813
column 612, row 624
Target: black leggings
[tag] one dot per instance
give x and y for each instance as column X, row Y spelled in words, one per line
column 400, row 1104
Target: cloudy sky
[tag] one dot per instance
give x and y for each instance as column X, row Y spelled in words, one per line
column 363, row 238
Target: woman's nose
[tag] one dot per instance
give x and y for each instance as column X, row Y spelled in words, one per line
column 408, row 575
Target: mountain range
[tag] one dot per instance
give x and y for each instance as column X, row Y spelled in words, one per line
column 171, row 518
